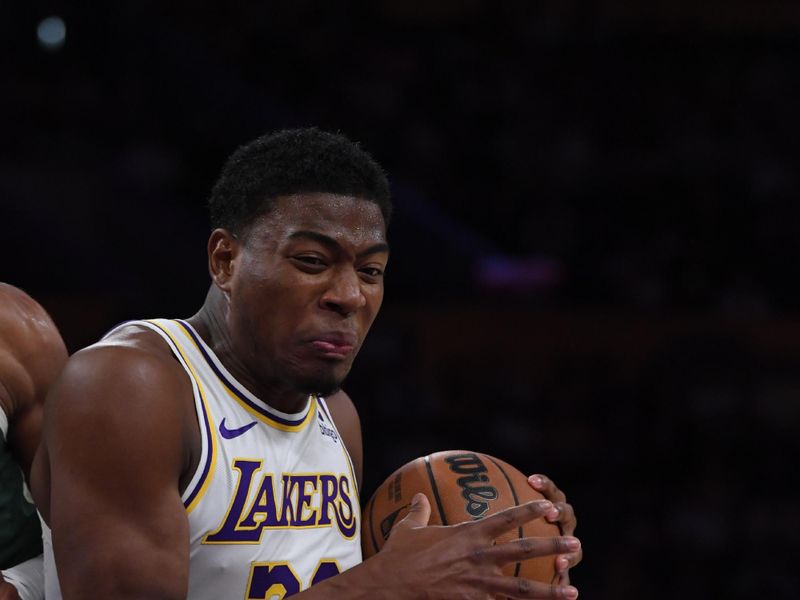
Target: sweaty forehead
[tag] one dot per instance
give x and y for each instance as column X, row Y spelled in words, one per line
column 340, row 217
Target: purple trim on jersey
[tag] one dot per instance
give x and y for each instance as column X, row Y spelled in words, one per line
column 207, row 466
column 206, row 422
column 228, row 384
column 324, row 407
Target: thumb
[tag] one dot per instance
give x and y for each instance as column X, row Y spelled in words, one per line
column 418, row 513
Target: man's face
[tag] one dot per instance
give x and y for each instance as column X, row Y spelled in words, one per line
column 306, row 287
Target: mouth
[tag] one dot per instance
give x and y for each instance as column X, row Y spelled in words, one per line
column 334, row 345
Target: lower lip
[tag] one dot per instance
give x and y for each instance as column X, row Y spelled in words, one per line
column 330, row 350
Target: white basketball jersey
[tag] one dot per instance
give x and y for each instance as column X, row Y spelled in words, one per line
column 273, row 506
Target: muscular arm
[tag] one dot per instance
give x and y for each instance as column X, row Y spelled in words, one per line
column 32, row 354
column 115, row 436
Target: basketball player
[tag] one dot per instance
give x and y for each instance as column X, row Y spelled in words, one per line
column 31, row 355
column 216, row 457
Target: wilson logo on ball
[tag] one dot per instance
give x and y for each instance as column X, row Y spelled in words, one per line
column 473, row 482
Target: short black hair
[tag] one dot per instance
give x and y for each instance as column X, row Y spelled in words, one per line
column 293, row 161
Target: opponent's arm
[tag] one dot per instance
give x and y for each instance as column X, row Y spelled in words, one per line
column 116, row 436
column 32, row 355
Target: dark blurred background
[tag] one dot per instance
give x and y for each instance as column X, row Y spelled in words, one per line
column 594, row 253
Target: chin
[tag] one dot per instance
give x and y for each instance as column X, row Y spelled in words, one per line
column 324, row 384
column 323, row 377
column 321, row 388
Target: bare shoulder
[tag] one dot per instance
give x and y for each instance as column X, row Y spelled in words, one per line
column 123, row 397
column 136, row 340
column 24, row 324
column 342, row 408
column 32, row 352
column 121, row 383
column 132, row 358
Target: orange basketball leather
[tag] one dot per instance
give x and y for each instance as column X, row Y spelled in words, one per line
column 461, row 486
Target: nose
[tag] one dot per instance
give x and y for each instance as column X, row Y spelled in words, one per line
column 344, row 294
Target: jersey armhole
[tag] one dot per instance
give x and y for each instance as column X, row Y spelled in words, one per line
column 204, row 471
column 326, row 414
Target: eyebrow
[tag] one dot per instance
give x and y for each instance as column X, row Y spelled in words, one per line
column 332, row 244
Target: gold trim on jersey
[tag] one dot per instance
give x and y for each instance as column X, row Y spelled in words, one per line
column 202, row 485
column 229, row 387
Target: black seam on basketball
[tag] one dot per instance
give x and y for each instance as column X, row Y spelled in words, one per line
column 369, row 526
column 435, row 490
column 516, row 501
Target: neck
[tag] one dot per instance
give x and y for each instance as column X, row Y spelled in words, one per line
column 212, row 323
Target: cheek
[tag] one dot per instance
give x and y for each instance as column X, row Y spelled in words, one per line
column 253, row 314
column 374, row 301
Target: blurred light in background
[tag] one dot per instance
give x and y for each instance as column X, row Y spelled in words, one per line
column 510, row 274
column 51, row 33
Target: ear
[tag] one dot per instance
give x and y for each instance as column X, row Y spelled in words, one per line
column 223, row 248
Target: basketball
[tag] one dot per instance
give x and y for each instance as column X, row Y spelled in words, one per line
column 461, row 486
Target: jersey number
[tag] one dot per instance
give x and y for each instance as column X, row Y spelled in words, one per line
column 278, row 580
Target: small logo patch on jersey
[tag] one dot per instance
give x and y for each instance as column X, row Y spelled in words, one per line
column 229, row 434
column 327, row 431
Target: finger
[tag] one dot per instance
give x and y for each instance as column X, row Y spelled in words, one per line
column 517, row 587
column 563, row 514
column 529, row 547
column 505, row 520
column 545, row 486
column 419, row 513
column 567, row 561
column 562, row 578
column 562, row 564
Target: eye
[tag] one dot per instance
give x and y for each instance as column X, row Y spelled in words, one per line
column 371, row 274
column 310, row 262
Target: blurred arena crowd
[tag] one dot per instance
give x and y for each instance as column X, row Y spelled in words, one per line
column 594, row 250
